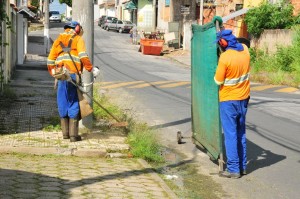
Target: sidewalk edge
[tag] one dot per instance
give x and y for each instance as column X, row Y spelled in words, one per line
column 162, row 183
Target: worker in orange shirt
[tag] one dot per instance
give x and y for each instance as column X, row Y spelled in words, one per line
column 232, row 74
column 68, row 56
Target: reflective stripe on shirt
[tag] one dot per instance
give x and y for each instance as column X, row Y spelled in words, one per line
column 217, row 82
column 66, row 57
column 231, row 82
column 82, row 55
column 51, row 62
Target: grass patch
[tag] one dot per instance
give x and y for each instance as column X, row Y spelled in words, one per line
column 281, row 68
column 142, row 140
column 8, row 93
column 100, row 113
column 144, row 143
column 54, row 124
column 7, row 97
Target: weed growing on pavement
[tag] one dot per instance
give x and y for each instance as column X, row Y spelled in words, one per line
column 99, row 113
column 53, row 125
column 7, row 97
column 144, row 143
column 142, row 140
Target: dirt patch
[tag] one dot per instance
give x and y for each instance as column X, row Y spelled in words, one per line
column 183, row 177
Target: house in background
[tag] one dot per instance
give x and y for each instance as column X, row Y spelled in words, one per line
column 107, row 7
column 16, row 37
column 127, row 10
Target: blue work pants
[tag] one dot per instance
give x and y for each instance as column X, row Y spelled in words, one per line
column 67, row 99
column 233, row 119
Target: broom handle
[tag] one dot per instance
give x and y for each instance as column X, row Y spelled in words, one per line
column 103, row 108
column 109, row 113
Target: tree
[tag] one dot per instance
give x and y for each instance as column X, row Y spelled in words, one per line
column 35, row 3
column 68, row 2
column 269, row 16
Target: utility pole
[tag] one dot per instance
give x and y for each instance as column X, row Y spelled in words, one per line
column 46, row 27
column 83, row 12
column 25, row 4
column 41, row 9
column 154, row 15
column 201, row 13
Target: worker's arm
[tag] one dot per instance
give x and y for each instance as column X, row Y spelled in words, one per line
column 220, row 72
column 83, row 56
column 52, row 57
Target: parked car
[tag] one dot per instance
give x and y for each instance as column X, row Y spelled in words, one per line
column 101, row 20
column 119, row 25
column 53, row 13
column 107, row 20
column 55, row 18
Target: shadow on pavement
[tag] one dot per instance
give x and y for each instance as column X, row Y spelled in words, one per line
column 259, row 158
column 174, row 123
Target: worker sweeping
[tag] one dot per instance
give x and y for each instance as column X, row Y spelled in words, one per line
column 66, row 62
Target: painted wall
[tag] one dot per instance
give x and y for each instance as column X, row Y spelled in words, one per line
column 296, row 4
column 145, row 15
column 251, row 3
column 270, row 39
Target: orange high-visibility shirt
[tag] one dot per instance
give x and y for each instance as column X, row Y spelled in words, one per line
column 78, row 52
column 232, row 75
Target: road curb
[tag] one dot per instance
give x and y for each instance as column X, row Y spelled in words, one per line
column 55, row 151
column 176, row 60
column 162, row 183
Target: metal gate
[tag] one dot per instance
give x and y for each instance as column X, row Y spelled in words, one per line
column 206, row 125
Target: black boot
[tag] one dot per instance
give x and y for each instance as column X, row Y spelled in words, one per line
column 64, row 122
column 73, row 129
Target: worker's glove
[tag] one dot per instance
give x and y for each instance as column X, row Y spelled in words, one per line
column 96, row 71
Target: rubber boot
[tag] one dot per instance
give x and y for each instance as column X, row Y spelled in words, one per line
column 73, row 129
column 64, row 122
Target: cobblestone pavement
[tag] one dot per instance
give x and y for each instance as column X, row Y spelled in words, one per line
column 22, row 119
column 27, row 176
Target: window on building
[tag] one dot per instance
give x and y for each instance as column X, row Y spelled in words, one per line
column 238, row 7
column 167, row 3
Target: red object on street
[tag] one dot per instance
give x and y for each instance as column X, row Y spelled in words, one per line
column 151, row 46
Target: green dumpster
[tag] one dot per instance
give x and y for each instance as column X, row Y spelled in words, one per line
column 206, row 125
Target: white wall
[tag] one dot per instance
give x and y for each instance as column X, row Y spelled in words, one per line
column 145, row 18
column 161, row 24
column 20, row 39
column 187, row 29
column 96, row 12
column 68, row 11
column 110, row 12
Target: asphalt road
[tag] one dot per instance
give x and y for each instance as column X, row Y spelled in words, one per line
column 273, row 120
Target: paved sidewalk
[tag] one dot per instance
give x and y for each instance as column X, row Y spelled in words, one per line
column 102, row 170
column 58, row 177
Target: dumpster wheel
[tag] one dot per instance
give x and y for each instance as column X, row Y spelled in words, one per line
column 179, row 137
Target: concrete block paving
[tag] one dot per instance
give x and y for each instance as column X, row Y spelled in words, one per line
column 51, row 176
